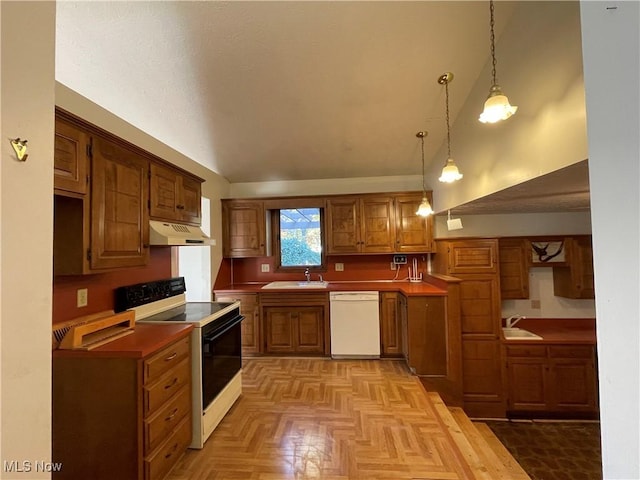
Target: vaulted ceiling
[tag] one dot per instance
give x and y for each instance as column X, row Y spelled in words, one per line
column 261, row 91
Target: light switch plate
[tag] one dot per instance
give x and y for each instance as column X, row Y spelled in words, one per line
column 264, row 268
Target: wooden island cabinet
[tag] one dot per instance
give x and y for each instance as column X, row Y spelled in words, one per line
column 123, row 410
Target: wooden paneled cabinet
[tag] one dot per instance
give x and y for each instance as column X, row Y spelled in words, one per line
column 108, row 227
column 243, row 228
column 174, row 196
column 360, row 224
column 119, row 213
column 119, row 416
column 514, row 268
column 427, row 346
column 575, row 280
column 475, row 263
column 295, row 324
column 414, row 234
column 251, row 325
column 70, row 158
column 391, row 338
column 296, row 330
column 551, row 379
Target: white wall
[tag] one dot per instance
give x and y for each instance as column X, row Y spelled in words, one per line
column 542, row 75
column 26, row 236
column 541, row 289
column 611, row 44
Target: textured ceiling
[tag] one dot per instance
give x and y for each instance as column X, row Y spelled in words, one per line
column 264, row 91
column 260, row 91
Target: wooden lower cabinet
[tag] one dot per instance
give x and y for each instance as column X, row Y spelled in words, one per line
column 295, row 324
column 121, row 413
column 250, row 309
column 482, row 378
column 390, row 325
column 554, row 379
column 294, row 329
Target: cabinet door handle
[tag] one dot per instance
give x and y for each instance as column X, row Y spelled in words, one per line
column 171, row 357
column 173, row 449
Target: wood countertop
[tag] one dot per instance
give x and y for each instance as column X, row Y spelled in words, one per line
column 146, row 339
column 405, row 287
column 576, row 331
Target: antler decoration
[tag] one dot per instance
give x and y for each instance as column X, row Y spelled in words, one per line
column 541, row 251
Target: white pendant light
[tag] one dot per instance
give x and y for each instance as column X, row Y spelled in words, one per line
column 497, row 106
column 450, row 172
column 424, row 210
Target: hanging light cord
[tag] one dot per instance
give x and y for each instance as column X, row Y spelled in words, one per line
column 424, row 187
column 493, row 43
column 446, row 92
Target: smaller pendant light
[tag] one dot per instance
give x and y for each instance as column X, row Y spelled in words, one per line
column 497, row 106
column 450, row 172
column 424, row 210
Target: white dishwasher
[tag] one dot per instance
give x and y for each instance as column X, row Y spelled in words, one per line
column 355, row 324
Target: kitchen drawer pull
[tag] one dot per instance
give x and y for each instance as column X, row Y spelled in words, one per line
column 173, row 449
column 171, row 415
column 171, row 357
column 168, row 386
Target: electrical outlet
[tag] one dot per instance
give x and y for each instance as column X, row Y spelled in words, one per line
column 535, row 304
column 82, row 297
column 264, row 268
column 339, row 267
column 400, row 259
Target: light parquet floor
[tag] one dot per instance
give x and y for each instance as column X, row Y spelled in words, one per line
column 314, row 418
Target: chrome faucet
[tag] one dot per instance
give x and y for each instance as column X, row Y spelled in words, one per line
column 307, row 274
column 512, row 320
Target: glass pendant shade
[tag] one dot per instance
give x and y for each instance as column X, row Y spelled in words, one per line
column 497, row 107
column 424, row 210
column 450, row 172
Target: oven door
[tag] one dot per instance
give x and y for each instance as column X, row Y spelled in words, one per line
column 221, row 355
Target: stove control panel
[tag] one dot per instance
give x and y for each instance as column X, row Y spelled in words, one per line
column 131, row 296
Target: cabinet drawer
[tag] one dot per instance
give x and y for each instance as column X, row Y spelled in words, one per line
column 165, row 359
column 526, row 351
column 157, row 465
column 167, row 385
column 157, row 427
column 575, row 351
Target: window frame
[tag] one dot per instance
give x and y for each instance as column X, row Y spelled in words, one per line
column 275, row 230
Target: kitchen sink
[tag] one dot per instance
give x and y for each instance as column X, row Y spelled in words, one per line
column 519, row 334
column 294, row 284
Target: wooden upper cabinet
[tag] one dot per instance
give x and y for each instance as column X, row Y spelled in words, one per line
column 360, row 224
column 119, row 214
column 414, row 234
column 70, row 158
column 576, row 280
column 243, row 228
column 514, row 268
column 174, row 196
column 471, row 256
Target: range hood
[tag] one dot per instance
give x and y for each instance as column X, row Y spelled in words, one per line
column 166, row 233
